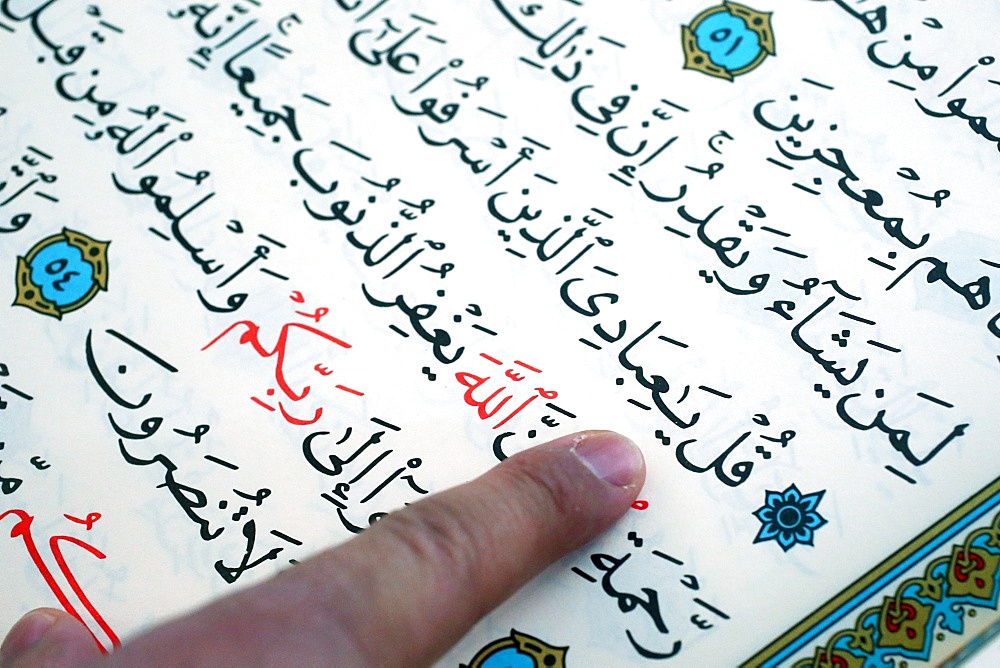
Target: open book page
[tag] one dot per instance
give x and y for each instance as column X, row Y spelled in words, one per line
column 272, row 270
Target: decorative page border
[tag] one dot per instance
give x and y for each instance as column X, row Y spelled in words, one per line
column 922, row 610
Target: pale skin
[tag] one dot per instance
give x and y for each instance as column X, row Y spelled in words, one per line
column 401, row 593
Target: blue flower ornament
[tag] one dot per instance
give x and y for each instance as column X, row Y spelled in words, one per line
column 789, row 517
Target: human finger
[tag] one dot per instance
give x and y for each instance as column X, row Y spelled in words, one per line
column 409, row 587
column 47, row 637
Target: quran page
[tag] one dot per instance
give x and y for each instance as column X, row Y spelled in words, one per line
column 271, row 270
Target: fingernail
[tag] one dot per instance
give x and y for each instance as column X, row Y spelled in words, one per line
column 25, row 634
column 611, row 457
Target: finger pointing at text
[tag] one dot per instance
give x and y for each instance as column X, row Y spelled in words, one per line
column 401, row 593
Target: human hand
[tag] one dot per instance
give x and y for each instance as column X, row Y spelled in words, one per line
column 402, row 592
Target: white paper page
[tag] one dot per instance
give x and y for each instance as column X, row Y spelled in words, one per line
column 450, row 231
